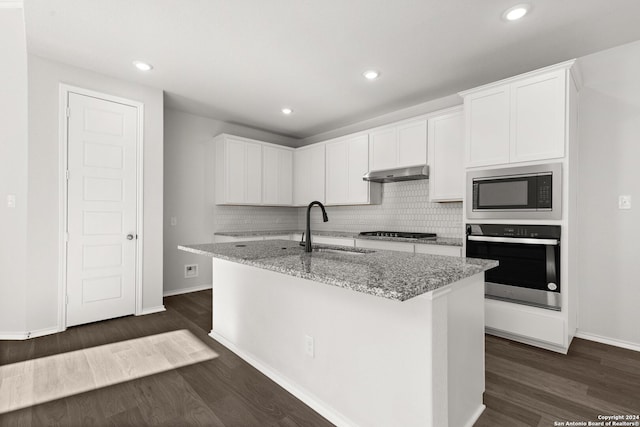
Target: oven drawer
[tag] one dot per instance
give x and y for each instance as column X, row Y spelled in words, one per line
column 525, row 322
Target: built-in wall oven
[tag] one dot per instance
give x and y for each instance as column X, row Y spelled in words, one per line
column 522, row 193
column 529, row 256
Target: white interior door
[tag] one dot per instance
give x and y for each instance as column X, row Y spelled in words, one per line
column 101, row 209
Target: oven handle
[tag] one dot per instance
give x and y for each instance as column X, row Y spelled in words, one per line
column 529, row 241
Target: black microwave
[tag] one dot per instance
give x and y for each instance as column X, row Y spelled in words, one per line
column 526, row 192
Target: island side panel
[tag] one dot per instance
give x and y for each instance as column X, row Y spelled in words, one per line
column 373, row 357
column 466, row 351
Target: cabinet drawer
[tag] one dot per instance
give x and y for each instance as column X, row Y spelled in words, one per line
column 527, row 322
column 384, row 245
column 439, row 250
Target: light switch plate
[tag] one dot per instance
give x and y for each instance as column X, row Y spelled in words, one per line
column 11, row 200
column 624, row 202
column 174, row 221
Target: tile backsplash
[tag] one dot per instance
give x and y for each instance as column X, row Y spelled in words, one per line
column 405, row 207
column 248, row 218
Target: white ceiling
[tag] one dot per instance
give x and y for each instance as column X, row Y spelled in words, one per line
column 243, row 60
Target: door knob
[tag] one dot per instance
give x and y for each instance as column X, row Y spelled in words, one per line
column 129, row 236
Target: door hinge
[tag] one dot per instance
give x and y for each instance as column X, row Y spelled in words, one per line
column 66, row 299
column 66, row 174
column 68, row 112
column 66, row 236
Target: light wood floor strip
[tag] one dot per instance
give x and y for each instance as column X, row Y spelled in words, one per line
column 28, row 383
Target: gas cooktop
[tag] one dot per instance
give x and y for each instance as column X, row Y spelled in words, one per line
column 400, row 234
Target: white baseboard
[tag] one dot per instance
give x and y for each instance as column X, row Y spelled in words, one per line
column 307, row 398
column 151, row 310
column 27, row 335
column 475, row 416
column 609, row 341
column 186, row 290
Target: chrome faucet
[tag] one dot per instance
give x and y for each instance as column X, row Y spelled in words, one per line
column 325, row 218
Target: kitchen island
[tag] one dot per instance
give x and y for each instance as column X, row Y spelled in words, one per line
column 364, row 337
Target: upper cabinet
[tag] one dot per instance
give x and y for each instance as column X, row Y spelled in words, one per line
column 238, row 171
column 403, row 144
column 250, row 172
column 308, row 174
column 446, row 156
column 520, row 119
column 347, row 160
column 277, row 176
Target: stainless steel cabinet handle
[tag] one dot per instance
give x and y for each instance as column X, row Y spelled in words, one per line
column 129, row 236
column 529, row 241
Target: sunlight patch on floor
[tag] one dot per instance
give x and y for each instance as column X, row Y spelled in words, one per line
column 36, row 381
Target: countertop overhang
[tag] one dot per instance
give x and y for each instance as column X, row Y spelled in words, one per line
column 388, row 274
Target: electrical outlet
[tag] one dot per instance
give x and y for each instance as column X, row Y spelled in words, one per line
column 309, row 346
column 190, row 270
column 174, row 221
column 624, row 202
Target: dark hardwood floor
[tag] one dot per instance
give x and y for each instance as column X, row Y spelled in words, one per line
column 525, row 386
column 528, row 386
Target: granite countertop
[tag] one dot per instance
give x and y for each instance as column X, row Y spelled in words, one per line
column 447, row 241
column 388, row 274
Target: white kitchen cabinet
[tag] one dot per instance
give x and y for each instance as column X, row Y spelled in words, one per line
column 487, row 127
column 217, row 238
column 520, row 119
column 446, row 157
column 399, row 145
column 277, row 176
column 326, row 240
column 347, row 160
column 538, row 117
column 238, row 171
column 438, row 250
column 385, row 245
column 309, row 174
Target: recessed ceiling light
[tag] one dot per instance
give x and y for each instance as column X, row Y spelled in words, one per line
column 371, row 74
column 143, row 66
column 286, row 111
column 516, row 12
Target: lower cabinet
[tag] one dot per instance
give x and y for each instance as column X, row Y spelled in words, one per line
column 531, row 325
column 439, row 250
column 326, row 240
column 227, row 239
column 384, row 245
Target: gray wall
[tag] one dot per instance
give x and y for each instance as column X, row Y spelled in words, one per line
column 189, row 195
column 13, row 172
column 609, row 165
column 43, row 220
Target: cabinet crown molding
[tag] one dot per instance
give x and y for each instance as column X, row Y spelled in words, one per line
column 566, row 65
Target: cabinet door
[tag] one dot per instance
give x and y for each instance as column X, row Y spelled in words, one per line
column 236, row 171
column 383, row 149
column 316, row 173
column 358, row 154
column 337, row 172
column 446, row 157
column 253, row 173
column 270, row 175
column 412, row 143
column 487, row 127
column 285, row 177
column 277, row 176
column 309, row 175
column 538, row 117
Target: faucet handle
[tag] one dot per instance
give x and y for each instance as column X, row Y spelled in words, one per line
column 302, row 240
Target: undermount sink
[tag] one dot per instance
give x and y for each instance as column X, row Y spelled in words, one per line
column 350, row 251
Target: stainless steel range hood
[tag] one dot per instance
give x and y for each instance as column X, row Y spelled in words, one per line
column 400, row 174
